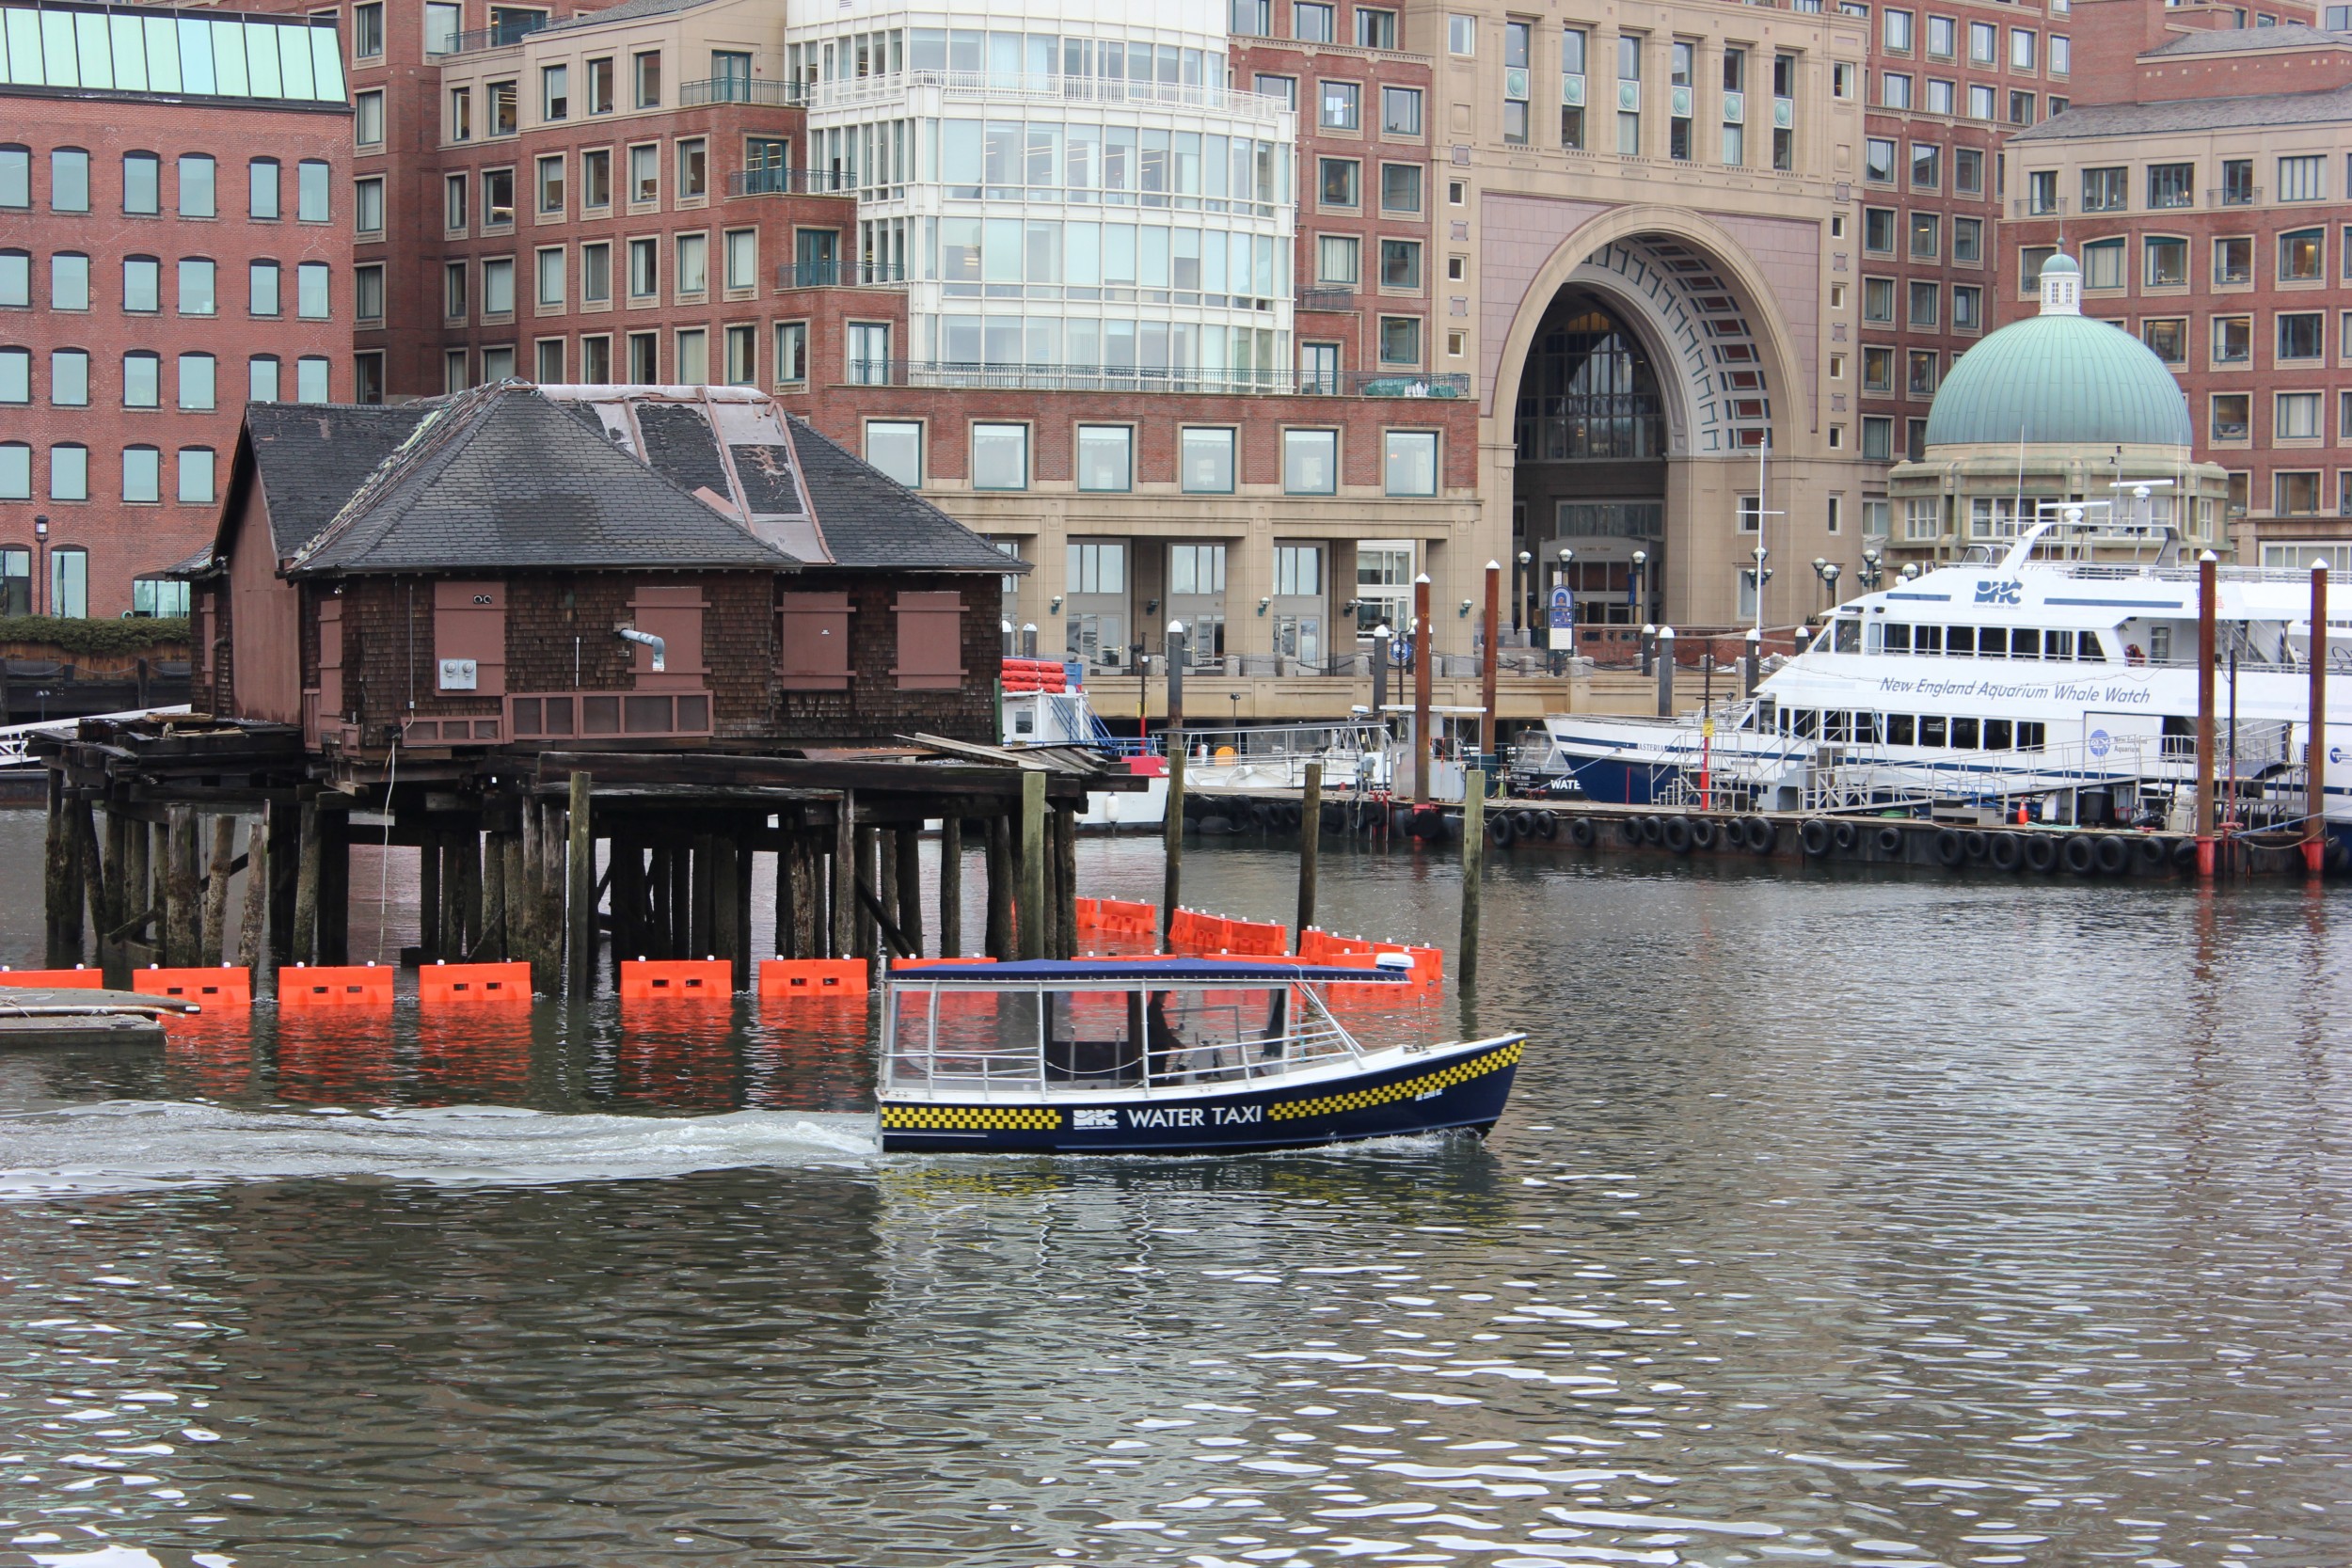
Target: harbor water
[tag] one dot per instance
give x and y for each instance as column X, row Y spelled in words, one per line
column 1838, row 1218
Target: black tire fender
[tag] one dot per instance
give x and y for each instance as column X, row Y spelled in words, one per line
column 1949, row 850
column 1845, row 835
column 2115, row 854
column 1762, row 835
column 1702, row 832
column 1675, row 834
column 2080, row 855
column 2005, row 852
column 1580, row 831
column 2040, row 852
column 1814, row 837
column 1890, row 840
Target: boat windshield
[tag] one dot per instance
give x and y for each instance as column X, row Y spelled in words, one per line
column 1086, row 1039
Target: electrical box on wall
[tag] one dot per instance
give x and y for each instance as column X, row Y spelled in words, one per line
column 459, row 674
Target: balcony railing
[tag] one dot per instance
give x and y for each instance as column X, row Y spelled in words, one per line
column 1601, row 425
column 2038, row 207
column 1053, row 378
column 739, row 90
column 839, row 274
column 1326, row 299
column 859, row 92
column 791, row 182
column 506, row 33
column 2235, row 196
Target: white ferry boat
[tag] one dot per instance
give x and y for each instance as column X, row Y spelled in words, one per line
column 2020, row 681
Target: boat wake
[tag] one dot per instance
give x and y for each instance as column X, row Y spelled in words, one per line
column 135, row 1146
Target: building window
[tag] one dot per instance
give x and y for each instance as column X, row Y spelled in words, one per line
column 1628, row 95
column 453, row 203
column 555, row 93
column 1894, row 90
column 1967, row 308
column 869, row 353
column 196, row 476
column 68, row 178
column 1000, row 457
column 314, row 198
column 498, row 198
column 2232, row 418
column 68, row 473
column 742, row 352
column 460, row 126
column 1927, row 167
column 2234, row 260
column 742, row 259
column 142, row 474
column 2167, row 338
column 2298, row 417
column 2167, row 261
column 1311, row 461
column 261, row 378
column 1338, row 182
column 2302, row 179
column 596, row 359
column 454, row 291
column 1922, row 365
column 1312, row 23
column 1923, row 308
column 644, row 269
column 262, row 288
column 693, row 359
column 645, row 174
column 2232, row 341
column 2303, row 256
column 2102, row 264
column 16, row 377
column 1877, row 231
column 1206, row 461
column 1409, row 462
column 595, row 273
column 1894, row 31
column 792, row 352
column 142, row 284
column 1400, row 111
column 2022, row 48
column 310, row 291
column 646, row 74
column 196, row 382
column 68, row 582
column 1106, row 457
column 549, row 370
column 600, row 86
column 1517, row 49
column 69, row 283
column 1878, row 160
column 367, row 30
column 1969, row 241
column 2296, row 495
column 367, row 204
column 551, row 184
column 2300, row 334
column 367, row 119
column 69, row 377
column 693, row 169
column 1193, row 570
column 1400, row 339
column 1878, row 300
column 1400, row 187
column 1878, row 369
column 262, row 196
column 16, row 471
column 142, row 184
column 310, row 374
column 1461, row 35
column 197, row 295
column 1400, row 265
column 1927, row 235
column 693, row 265
column 2171, row 185
column 2105, row 190
column 142, row 378
column 1341, row 106
column 1374, row 29
column 644, row 356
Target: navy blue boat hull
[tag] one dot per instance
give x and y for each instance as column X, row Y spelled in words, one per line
column 1460, row 1089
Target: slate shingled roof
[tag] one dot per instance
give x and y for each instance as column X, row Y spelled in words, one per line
column 500, row 478
column 310, row 457
column 870, row 521
column 2228, row 41
column 2193, row 114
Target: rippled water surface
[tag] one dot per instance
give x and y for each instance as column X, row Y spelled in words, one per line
column 1833, row 1221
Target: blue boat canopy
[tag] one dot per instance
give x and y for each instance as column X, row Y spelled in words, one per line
column 1047, row 971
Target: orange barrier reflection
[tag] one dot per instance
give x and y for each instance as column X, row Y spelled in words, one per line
column 337, row 1055
column 473, row 1056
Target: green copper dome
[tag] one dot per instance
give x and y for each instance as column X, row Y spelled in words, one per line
column 2059, row 379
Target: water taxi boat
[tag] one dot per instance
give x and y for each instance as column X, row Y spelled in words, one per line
column 1161, row 1056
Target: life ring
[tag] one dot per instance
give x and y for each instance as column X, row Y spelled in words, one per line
column 2080, row 855
column 1762, row 836
column 2005, row 852
column 1890, row 840
column 2115, row 854
column 1501, row 830
column 1974, row 844
column 1547, row 824
column 2132, row 654
column 1675, row 834
column 2040, row 852
column 1702, row 832
column 1814, row 839
column 1948, row 849
column 1653, row 828
column 1845, row 835
column 1580, row 831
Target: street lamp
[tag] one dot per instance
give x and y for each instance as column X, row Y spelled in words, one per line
column 41, row 563
column 1634, row 584
column 1527, row 587
column 1874, row 569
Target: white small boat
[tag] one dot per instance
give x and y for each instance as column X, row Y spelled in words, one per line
column 1161, row 1056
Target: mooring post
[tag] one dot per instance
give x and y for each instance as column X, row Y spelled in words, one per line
column 886, row 874
column 517, row 897
column 430, row 903
column 115, row 893
column 1066, row 882
column 580, row 864
column 2207, row 574
column 746, row 867
column 2315, row 754
column 1310, row 850
column 285, row 858
column 951, row 886
column 180, row 895
column 1752, row 668
column 1424, row 656
column 90, row 878
column 306, row 917
column 701, row 928
column 249, row 949
column 493, row 941
column 845, row 909
column 1474, row 873
column 215, row 927
column 527, row 901
column 867, row 936
column 58, row 883
column 1665, row 671
column 1172, row 825
column 911, row 887
column 996, row 939
column 726, row 941
column 1487, row 661
column 335, row 887
column 1033, row 922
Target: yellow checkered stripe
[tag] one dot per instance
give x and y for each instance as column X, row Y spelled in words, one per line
column 1408, row 1089
column 974, row 1118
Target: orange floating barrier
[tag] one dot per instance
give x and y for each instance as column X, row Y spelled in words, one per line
column 647, row 979
column 497, row 982
column 225, row 987
column 333, row 985
column 76, row 978
column 808, row 978
column 904, row 963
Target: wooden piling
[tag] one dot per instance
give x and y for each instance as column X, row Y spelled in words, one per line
column 139, row 886
column 469, row 895
column 517, row 897
column 430, row 905
column 866, row 922
column 625, row 861
column 740, row 912
column 334, row 939
column 115, row 896
column 216, row 891
column 1310, row 848
column 2207, row 591
column 256, row 917
column 1172, row 822
column 845, row 909
column 579, row 907
column 1474, row 874
column 1033, row 923
column 285, row 858
column 911, row 886
column 681, row 935
column 1066, row 878
column 524, row 898
column 180, row 894
column 493, row 942
column 57, row 885
column 951, row 887
column 997, row 939
column 886, row 875
column 305, row 918
column 726, row 941
column 1424, row 660
column 2315, row 754
column 1489, row 658
column 702, row 940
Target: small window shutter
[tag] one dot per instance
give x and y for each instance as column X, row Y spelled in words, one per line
column 930, row 641
column 676, row 616
column 332, row 659
column 469, row 622
column 812, row 651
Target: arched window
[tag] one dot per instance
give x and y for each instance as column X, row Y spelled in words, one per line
column 261, row 378
column 142, row 183
column 142, row 379
column 16, row 277
column 142, row 284
column 16, row 174
column 69, row 581
column 16, row 471
column 261, row 288
column 199, row 387
column 196, row 197
column 262, row 181
column 310, row 301
column 196, row 476
column 142, row 474
column 69, row 472
column 69, row 282
column 69, row 180
column 16, row 376
column 16, row 580
column 311, row 379
column 198, row 294
column 69, row 377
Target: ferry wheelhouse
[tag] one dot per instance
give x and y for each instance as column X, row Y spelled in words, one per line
column 1162, row 1056
column 2003, row 680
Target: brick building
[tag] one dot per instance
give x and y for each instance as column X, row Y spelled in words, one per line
column 174, row 193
